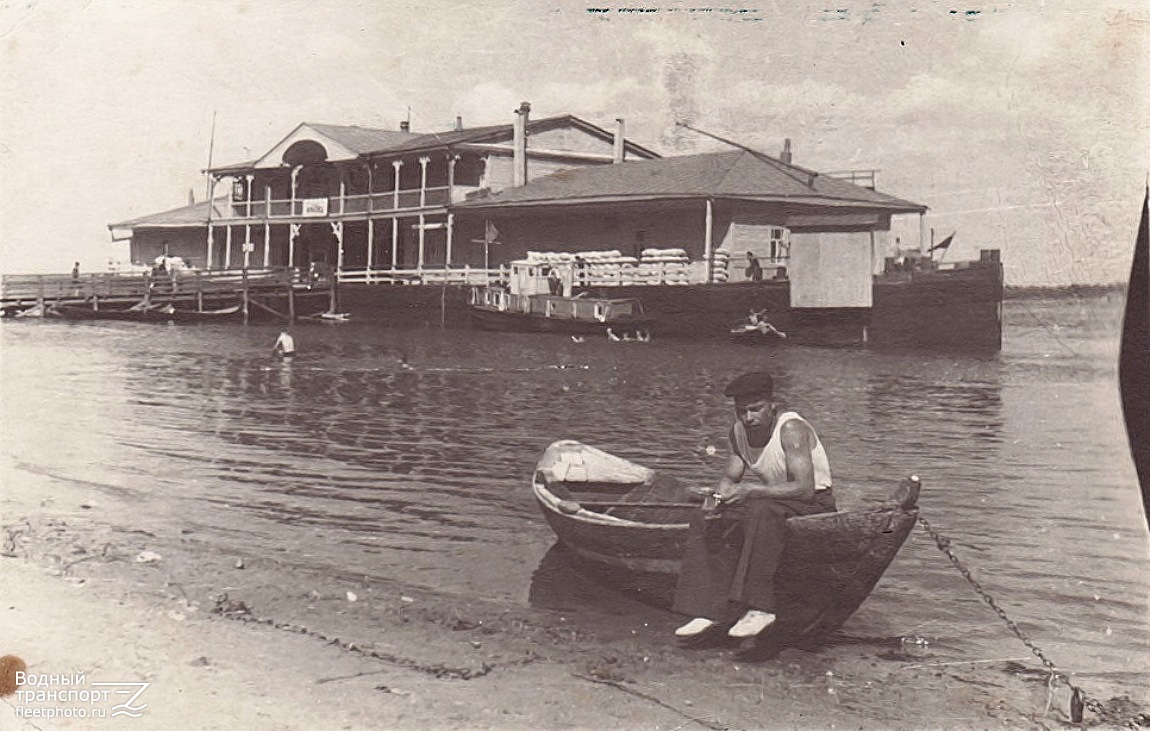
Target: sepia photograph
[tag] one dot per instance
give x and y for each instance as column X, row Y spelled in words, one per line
column 556, row 365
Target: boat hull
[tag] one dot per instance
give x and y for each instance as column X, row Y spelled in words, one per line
column 830, row 564
column 486, row 319
column 159, row 315
column 954, row 310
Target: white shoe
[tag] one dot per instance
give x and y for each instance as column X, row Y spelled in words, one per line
column 752, row 623
column 696, row 626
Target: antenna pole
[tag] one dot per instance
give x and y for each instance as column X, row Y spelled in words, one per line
column 783, row 167
column 211, row 188
column 211, row 150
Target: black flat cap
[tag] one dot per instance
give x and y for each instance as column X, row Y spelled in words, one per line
column 757, row 383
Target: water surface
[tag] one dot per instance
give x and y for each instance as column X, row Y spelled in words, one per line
column 407, row 453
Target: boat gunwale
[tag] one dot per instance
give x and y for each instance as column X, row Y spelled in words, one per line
column 550, row 501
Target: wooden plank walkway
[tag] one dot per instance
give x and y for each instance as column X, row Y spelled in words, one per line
column 18, row 291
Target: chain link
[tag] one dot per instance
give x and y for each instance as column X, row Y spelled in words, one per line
column 1055, row 674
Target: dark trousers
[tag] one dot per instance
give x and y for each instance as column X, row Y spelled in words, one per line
column 730, row 559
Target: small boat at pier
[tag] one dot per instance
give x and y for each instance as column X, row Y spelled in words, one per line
column 161, row 313
column 757, row 330
column 539, row 298
column 600, row 506
column 495, row 309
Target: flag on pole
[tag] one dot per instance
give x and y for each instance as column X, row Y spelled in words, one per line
column 490, row 234
column 945, row 243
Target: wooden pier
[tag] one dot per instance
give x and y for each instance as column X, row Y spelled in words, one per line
column 274, row 291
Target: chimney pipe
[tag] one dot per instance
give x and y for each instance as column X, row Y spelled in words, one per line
column 405, row 126
column 458, row 123
column 785, row 156
column 620, row 140
column 519, row 145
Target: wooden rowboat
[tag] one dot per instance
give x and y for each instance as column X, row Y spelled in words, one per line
column 830, row 564
column 162, row 313
column 756, row 330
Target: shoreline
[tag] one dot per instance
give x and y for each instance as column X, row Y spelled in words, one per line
column 265, row 642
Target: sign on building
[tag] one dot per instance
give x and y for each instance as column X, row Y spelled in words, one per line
column 315, row 207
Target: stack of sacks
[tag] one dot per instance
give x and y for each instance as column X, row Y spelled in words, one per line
column 720, row 265
column 628, row 270
column 603, row 266
column 665, row 266
column 549, row 257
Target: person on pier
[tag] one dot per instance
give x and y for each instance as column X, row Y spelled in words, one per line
column 735, row 541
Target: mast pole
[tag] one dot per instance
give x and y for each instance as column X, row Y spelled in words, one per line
column 211, row 185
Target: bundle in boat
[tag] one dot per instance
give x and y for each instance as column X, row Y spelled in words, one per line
column 631, row 523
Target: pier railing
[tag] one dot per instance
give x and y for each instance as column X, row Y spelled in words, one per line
column 465, row 275
column 351, row 204
column 26, row 289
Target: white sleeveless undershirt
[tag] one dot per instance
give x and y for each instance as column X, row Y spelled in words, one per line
column 771, row 464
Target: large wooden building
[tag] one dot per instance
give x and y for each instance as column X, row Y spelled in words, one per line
column 386, row 206
column 375, row 205
column 377, row 208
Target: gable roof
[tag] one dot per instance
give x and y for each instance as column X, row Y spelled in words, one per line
column 737, row 174
column 193, row 215
column 363, row 140
column 504, row 132
column 370, row 142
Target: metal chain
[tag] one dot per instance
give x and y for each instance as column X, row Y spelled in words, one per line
column 944, row 545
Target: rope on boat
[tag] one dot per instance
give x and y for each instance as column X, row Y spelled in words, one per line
column 1078, row 698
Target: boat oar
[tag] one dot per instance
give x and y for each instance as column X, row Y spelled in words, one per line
column 570, row 507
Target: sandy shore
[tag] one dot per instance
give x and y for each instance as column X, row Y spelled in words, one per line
column 259, row 643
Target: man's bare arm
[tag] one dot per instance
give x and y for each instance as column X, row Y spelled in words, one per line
column 798, row 440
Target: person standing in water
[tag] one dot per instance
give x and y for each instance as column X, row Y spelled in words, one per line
column 285, row 345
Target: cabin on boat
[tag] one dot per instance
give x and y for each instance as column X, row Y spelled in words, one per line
column 383, row 207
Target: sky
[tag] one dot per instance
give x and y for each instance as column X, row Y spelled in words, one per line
column 1023, row 126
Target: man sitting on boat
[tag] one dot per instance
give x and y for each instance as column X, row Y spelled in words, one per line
column 735, row 542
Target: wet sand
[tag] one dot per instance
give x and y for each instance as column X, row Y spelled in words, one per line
column 257, row 642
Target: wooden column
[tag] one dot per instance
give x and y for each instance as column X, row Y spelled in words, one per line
column 245, row 293
column 228, row 248
column 451, row 160
column 370, row 246
column 267, row 224
column 247, row 225
column 211, row 206
column 422, row 221
column 294, row 182
column 337, row 229
column 210, row 242
column 293, row 234
column 423, row 160
column 370, row 223
column 397, row 164
column 394, row 242
column 450, row 230
column 708, row 243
